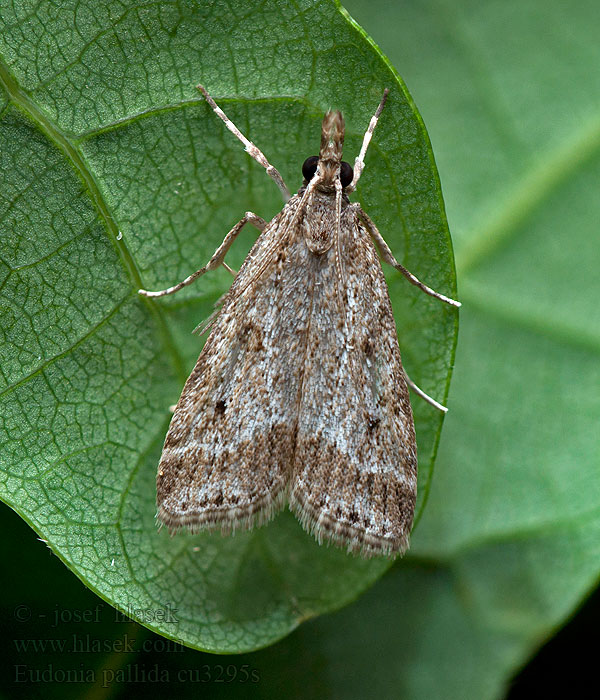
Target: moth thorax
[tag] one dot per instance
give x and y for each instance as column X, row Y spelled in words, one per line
column 319, row 228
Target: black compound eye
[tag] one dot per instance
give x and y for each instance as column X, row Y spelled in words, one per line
column 309, row 168
column 346, row 174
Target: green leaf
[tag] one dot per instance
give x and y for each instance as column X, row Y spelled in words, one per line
column 117, row 175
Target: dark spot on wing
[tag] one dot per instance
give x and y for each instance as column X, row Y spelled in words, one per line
column 373, row 423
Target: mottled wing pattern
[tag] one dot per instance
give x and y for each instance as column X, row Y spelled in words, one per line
column 227, row 456
column 355, row 466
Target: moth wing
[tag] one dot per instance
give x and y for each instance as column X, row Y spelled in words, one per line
column 355, row 468
column 227, row 456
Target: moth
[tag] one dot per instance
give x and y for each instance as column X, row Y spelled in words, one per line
column 299, row 394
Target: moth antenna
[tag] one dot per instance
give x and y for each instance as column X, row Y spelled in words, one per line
column 253, row 150
column 338, row 253
column 359, row 163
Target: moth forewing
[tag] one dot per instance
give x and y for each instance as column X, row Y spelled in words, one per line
column 299, row 392
column 355, row 464
column 225, row 461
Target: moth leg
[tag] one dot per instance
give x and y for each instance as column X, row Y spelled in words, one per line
column 387, row 255
column 359, row 162
column 218, row 257
column 255, row 152
column 423, row 395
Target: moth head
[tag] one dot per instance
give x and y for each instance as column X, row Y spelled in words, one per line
column 328, row 165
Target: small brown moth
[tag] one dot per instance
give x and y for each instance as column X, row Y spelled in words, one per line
column 299, row 394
